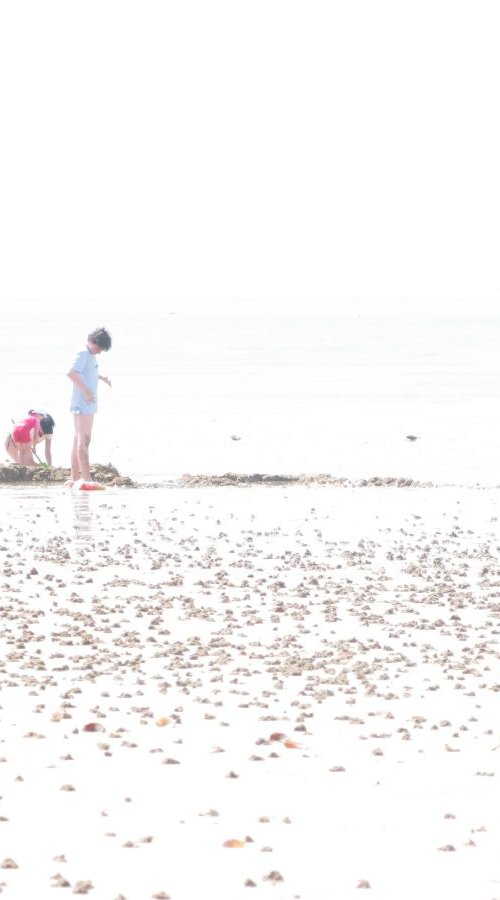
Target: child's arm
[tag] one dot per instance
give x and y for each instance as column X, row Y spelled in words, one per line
column 77, row 379
column 33, row 438
column 48, row 451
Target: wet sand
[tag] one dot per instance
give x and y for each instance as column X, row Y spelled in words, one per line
column 286, row 692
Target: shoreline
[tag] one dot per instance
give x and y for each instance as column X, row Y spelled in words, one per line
column 13, row 474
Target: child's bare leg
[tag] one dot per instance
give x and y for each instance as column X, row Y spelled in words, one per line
column 11, row 448
column 80, row 463
column 75, row 465
column 26, row 457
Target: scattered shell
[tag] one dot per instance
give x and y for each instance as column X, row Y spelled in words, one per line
column 59, row 881
column 82, row 887
column 273, row 876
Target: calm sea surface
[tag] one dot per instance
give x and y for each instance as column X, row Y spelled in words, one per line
column 269, row 392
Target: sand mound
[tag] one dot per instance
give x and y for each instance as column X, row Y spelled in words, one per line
column 10, row 473
column 231, row 478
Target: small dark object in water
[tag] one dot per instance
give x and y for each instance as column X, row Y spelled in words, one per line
column 411, row 437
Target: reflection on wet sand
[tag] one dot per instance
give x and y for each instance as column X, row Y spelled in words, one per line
column 83, row 518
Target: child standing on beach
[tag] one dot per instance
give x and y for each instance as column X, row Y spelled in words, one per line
column 85, row 377
column 21, row 441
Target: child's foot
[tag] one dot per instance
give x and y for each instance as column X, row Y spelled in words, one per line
column 82, row 485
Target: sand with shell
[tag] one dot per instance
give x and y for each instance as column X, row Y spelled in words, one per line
column 272, row 691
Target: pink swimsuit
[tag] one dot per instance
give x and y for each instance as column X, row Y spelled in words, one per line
column 21, row 431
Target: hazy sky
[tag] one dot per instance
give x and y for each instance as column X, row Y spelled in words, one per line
column 262, row 149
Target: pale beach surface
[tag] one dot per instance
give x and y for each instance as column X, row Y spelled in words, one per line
column 269, row 668
column 310, row 672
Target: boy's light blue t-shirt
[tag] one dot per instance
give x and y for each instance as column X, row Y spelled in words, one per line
column 85, row 363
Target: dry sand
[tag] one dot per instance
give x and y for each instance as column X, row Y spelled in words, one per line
column 261, row 692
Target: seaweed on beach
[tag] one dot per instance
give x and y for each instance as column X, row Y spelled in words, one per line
column 241, row 480
column 11, row 473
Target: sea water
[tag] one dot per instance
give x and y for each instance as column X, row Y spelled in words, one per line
column 269, row 388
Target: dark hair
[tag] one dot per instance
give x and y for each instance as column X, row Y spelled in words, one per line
column 47, row 424
column 101, row 337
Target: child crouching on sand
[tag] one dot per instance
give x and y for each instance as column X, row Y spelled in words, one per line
column 21, row 441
